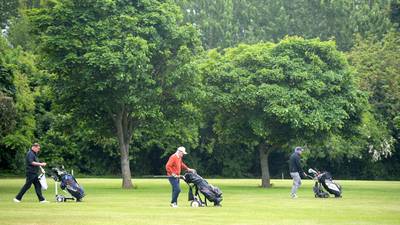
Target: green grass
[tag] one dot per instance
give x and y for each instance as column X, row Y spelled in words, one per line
column 363, row 202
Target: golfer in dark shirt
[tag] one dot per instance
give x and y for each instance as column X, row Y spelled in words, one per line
column 295, row 170
column 32, row 169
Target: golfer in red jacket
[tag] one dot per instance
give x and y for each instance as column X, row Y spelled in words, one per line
column 174, row 167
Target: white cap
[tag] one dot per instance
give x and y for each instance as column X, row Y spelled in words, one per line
column 182, row 149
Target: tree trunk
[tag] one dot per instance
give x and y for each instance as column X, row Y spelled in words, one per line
column 124, row 132
column 264, row 153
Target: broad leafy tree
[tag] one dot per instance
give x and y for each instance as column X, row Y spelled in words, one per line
column 273, row 96
column 120, row 65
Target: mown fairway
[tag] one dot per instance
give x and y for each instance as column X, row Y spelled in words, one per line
column 363, row 202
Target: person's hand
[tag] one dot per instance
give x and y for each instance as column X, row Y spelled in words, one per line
column 305, row 175
column 43, row 164
column 192, row 170
column 174, row 175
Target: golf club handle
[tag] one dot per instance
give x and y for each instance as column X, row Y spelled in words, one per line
column 166, row 176
column 41, row 168
column 178, row 176
column 157, row 176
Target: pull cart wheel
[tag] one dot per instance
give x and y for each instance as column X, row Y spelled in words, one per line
column 60, row 198
column 195, row 204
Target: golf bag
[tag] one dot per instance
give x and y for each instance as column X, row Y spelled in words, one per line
column 69, row 183
column 324, row 180
column 198, row 184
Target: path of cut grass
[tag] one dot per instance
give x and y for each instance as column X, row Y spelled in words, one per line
column 363, row 202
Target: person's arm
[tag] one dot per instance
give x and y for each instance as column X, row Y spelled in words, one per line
column 38, row 164
column 31, row 160
column 185, row 167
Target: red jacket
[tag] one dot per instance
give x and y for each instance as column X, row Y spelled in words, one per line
column 175, row 165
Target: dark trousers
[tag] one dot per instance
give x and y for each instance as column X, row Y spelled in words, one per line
column 175, row 188
column 31, row 179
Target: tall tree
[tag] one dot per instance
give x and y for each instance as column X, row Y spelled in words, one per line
column 378, row 66
column 213, row 18
column 268, row 96
column 17, row 104
column 117, row 62
column 8, row 9
column 395, row 12
column 226, row 23
column 7, row 91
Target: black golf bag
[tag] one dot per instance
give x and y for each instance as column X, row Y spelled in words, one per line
column 198, row 184
column 69, row 183
column 324, row 180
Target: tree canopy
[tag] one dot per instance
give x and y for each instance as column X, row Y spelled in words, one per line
column 267, row 95
column 226, row 23
column 119, row 65
column 114, row 86
column 17, row 105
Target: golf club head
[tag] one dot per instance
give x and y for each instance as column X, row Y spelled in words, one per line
column 312, row 171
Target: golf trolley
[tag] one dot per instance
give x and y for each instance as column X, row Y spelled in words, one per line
column 324, row 180
column 195, row 198
column 198, row 185
column 62, row 198
column 68, row 184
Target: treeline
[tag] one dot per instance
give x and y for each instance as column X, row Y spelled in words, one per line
column 113, row 87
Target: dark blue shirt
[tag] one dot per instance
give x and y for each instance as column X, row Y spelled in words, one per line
column 31, row 156
column 294, row 163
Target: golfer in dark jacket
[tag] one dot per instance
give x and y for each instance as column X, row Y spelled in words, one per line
column 32, row 170
column 295, row 170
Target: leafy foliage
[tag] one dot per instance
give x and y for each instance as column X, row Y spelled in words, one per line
column 305, row 86
column 295, row 91
column 377, row 63
column 226, row 23
column 8, row 9
column 134, row 60
column 18, row 66
column 120, row 66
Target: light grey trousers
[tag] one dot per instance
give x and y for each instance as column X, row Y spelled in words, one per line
column 296, row 182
